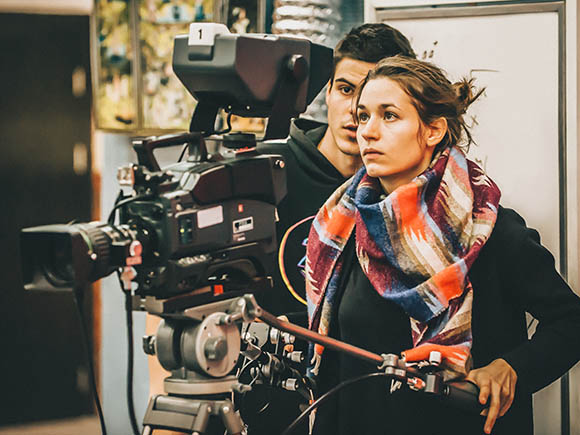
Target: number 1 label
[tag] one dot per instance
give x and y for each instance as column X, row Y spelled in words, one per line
column 205, row 33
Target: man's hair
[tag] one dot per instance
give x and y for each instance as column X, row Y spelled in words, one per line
column 371, row 43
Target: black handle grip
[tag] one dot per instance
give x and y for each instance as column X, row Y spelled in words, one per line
column 145, row 147
column 463, row 395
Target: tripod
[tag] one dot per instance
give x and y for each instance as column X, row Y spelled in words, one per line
column 190, row 415
column 200, row 345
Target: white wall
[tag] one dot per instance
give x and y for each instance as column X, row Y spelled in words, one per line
column 407, row 16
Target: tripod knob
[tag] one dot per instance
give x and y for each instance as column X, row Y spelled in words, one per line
column 216, row 348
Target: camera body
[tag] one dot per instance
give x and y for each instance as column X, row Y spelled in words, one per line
column 210, row 221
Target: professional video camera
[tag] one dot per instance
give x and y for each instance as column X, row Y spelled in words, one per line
column 196, row 239
column 209, row 217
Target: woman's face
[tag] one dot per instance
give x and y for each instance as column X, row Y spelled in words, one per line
column 394, row 145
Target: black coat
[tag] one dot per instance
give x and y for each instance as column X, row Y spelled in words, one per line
column 513, row 274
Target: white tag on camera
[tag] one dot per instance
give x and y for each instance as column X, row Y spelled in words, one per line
column 205, row 33
column 210, row 216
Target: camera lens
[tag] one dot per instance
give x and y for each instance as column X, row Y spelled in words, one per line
column 58, row 266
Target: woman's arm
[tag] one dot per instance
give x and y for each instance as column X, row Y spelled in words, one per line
column 528, row 278
column 540, row 290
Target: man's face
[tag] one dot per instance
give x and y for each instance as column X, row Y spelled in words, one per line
column 348, row 74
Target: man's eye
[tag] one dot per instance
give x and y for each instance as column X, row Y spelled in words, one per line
column 363, row 117
column 346, row 90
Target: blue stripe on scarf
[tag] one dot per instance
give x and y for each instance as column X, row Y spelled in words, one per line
column 411, row 302
column 372, row 216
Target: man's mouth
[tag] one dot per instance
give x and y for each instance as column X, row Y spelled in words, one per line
column 351, row 131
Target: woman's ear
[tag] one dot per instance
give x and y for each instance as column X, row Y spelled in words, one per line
column 436, row 131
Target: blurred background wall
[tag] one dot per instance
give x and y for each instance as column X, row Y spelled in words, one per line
column 45, row 139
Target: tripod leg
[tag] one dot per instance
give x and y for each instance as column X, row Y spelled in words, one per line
column 232, row 420
column 202, row 419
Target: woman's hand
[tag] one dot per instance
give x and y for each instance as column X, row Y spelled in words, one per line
column 496, row 382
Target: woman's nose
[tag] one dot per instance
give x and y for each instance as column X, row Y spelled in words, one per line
column 369, row 130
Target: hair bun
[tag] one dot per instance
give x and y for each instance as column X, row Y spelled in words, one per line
column 466, row 93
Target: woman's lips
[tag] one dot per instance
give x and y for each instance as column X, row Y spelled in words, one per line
column 370, row 153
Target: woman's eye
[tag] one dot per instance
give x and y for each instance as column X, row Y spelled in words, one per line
column 389, row 116
column 363, row 117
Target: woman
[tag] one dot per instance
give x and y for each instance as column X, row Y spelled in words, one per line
column 414, row 254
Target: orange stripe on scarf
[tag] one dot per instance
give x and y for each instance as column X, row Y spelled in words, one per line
column 340, row 225
column 410, row 210
column 449, row 282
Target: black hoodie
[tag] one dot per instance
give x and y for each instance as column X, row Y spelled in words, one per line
column 311, row 179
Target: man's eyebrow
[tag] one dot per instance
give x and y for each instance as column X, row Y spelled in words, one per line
column 343, row 80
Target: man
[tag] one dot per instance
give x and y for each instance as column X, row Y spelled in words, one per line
column 320, row 157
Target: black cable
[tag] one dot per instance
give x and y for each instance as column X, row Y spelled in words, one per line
column 118, row 204
column 183, row 150
column 130, row 361
column 229, row 125
column 328, row 394
column 78, row 298
column 120, row 196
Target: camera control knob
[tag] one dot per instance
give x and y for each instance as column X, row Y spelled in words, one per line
column 290, row 384
column 296, row 356
column 149, row 344
column 298, row 67
column 274, row 335
column 288, row 338
column 435, row 358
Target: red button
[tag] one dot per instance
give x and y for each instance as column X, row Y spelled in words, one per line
column 135, row 248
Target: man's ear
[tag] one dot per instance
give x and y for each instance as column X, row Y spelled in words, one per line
column 435, row 131
column 328, row 88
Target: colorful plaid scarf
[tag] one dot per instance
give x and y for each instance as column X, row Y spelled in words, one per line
column 415, row 245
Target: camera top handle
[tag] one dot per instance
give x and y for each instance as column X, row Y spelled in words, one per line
column 145, row 147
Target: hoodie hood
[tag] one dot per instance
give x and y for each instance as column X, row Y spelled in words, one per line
column 305, row 135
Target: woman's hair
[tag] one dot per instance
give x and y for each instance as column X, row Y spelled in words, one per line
column 432, row 94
